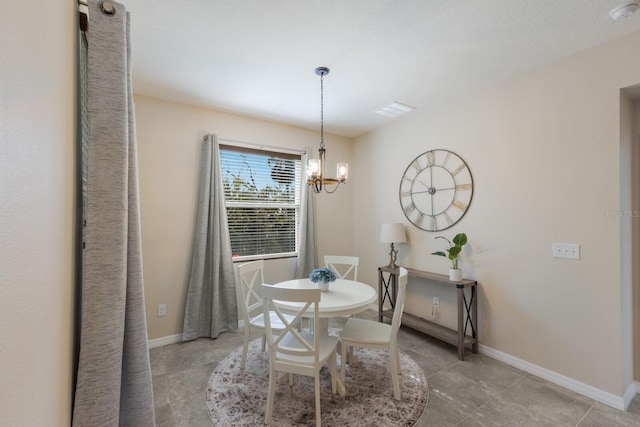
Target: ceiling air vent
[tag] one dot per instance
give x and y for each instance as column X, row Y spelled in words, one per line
column 394, row 109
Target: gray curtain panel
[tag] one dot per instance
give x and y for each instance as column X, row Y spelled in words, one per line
column 307, row 253
column 211, row 306
column 114, row 374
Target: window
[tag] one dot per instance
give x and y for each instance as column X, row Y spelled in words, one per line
column 262, row 192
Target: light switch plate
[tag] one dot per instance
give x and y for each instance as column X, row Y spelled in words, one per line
column 566, row 250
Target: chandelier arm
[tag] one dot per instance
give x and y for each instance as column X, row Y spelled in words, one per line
column 323, row 164
column 330, row 181
column 326, row 189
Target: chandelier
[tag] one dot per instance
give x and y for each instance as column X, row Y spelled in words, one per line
column 316, row 168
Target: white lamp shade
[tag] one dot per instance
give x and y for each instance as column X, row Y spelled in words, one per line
column 392, row 233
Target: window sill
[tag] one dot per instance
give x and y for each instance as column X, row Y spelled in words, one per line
column 264, row 257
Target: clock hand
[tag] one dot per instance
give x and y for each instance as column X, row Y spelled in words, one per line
column 432, row 199
column 431, row 190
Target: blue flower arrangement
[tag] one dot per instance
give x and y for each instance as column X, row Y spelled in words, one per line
column 323, row 274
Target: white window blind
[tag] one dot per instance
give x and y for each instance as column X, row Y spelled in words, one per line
column 262, row 192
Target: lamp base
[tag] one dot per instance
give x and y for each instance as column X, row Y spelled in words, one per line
column 393, row 256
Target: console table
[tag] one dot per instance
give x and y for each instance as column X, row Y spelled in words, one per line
column 467, row 308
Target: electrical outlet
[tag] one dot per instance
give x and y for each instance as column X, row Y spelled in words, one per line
column 436, row 302
column 162, row 310
column 565, row 250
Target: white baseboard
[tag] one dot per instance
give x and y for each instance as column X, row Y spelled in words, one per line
column 172, row 339
column 630, row 393
column 618, row 402
column 159, row 342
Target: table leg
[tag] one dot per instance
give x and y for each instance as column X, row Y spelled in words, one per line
column 460, row 324
column 284, row 377
column 474, row 317
column 322, row 327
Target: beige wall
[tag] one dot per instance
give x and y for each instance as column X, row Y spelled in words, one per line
column 169, row 141
column 37, row 116
column 544, row 150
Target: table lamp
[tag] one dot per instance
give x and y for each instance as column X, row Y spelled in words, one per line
column 393, row 233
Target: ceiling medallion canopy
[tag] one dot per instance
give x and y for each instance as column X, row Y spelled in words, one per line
column 316, row 168
column 624, row 10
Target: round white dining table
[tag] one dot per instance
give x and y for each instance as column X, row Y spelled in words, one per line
column 343, row 298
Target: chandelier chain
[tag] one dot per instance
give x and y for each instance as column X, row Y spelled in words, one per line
column 322, row 110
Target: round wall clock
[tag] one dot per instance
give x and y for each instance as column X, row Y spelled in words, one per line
column 436, row 190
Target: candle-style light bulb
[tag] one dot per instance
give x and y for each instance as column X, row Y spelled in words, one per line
column 313, row 168
column 343, row 171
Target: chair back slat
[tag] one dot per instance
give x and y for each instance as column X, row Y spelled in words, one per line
column 289, row 328
column 345, row 267
column 251, row 276
column 289, row 340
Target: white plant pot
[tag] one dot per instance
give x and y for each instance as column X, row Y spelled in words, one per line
column 455, row 274
column 324, row 286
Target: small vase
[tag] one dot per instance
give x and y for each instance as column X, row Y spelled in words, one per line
column 324, row 286
column 455, row 274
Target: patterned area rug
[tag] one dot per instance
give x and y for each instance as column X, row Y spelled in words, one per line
column 238, row 397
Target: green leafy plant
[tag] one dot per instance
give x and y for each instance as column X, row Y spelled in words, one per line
column 455, row 248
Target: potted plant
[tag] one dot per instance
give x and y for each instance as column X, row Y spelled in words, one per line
column 322, row 277
column 455, row 247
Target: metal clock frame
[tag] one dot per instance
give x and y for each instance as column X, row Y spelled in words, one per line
column 432, row 162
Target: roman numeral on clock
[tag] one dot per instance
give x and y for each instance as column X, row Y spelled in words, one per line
column 460, row 205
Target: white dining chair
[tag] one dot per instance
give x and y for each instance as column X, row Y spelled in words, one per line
column 293, row 351
column 377, row 336
column 345, row 267
column 251, row 275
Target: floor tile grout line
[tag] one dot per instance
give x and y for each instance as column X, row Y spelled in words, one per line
column 586, row 413
column 475, row 410
column 522, row 377
column 443, row 369
column 491, row 398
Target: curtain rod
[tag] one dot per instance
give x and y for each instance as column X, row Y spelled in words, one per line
column 106, row 7
column 261, row 146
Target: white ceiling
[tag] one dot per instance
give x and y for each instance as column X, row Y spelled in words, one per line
column 257, row 57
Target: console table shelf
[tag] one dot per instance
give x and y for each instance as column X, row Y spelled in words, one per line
column 467, row 308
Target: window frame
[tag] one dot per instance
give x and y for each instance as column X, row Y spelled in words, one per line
column 267, row 152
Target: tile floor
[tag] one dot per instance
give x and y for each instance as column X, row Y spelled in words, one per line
column 478, row 391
